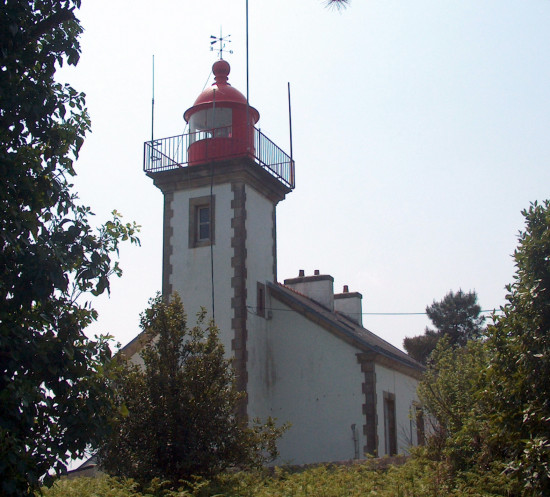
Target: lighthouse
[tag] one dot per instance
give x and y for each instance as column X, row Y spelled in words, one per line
column 300, row 350
column 221, row 184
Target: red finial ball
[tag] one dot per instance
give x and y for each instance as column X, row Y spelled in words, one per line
column 221, row 70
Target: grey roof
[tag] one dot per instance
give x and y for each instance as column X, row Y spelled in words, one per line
column 344, row 327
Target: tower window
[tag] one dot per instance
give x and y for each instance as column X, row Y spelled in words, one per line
column 206, row 122
column 201, row 221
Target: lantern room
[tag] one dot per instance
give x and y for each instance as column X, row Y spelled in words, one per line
column 221, row 127
column 221, row 124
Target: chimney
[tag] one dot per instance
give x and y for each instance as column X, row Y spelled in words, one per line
column 349, row 304
column 319, row 287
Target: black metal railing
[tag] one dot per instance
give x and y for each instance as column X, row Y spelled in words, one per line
column 165, row 154
column 170, row 153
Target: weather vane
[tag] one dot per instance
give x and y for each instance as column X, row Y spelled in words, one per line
column 222, row 40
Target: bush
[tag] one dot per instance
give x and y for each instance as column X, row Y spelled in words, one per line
column 418, row 477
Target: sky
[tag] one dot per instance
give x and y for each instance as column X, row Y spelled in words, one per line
column 420, row 132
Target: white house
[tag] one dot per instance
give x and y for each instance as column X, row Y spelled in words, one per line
column 301, row 352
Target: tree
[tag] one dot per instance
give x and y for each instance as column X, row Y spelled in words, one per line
column 456, row 316
column 176, row 415
column 450, row 393
column 420, row 347
column 491, row 398
column 53, row 394
column 520, row 368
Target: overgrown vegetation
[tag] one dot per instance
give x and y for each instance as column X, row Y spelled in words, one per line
column 450, row 391
column 519, row 373
column 176, row 413
column 419, row 477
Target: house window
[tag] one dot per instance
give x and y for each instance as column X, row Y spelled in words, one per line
column 390, row 426
column 260, row 300
column 201, row 221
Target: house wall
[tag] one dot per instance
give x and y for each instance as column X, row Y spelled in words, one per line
column 404, row 389
column 313, row 381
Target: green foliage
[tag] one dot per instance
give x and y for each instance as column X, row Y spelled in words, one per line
column 418, row 477
column 103, row 486
column 53, row 394
column 451, row 392
column 491, row 399
column 456, row 317
column 520, row 369
column 177, row 413
column 420, row 347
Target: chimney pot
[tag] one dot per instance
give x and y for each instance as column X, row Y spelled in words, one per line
column 301, row 273
column 346, row 289
column 316, row 272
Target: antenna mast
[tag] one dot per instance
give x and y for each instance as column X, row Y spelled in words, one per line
column 290, row 124
column 153, row 106
column 247, row 87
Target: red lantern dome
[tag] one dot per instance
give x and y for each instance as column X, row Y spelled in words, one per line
column 218, row 121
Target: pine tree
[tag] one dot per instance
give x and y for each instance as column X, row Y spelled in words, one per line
column 456, row 317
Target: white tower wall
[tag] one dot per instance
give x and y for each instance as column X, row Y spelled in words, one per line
column 260, row 267
column 190, row 274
